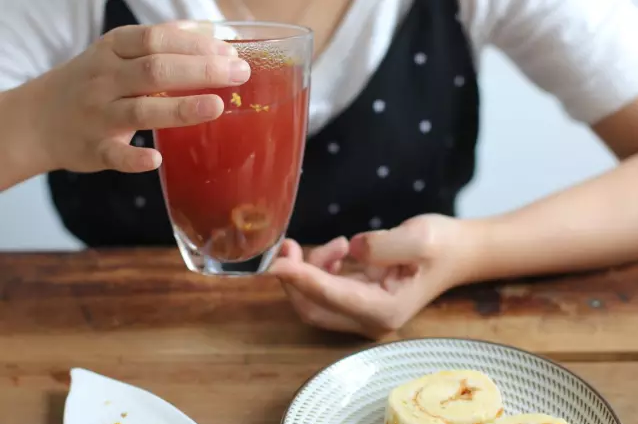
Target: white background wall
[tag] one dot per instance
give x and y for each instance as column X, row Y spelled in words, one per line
column 528, row 148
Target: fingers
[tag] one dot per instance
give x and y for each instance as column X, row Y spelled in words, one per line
column 341, row 294
column 125, row 158
column 142, row 113
column 182, row 37
column 330, row 255
column 171, row 72
column 292, row 250
column 402, row 245
column 317, row 316
column 175, row 56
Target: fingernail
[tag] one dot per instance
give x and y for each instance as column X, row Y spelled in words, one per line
column 227, row 50
column 359, row 246
column 202, row 27
column 186, row 24
column 207, row 108
column 239, row 71
column 340, row 241
column 153, row 160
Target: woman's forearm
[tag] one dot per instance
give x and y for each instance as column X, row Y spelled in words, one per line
column 21, row 157
column 592, row 225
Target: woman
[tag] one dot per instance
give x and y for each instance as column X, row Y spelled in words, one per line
column 393, row 126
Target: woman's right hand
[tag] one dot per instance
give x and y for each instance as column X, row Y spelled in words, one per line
column 86, row 111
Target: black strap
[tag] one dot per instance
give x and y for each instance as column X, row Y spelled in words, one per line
column 117, row 14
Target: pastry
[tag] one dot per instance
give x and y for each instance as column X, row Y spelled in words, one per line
column 446, row 397
column 530, row 419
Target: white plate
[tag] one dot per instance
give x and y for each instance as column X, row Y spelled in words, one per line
column 95, row 399
column 354, row 390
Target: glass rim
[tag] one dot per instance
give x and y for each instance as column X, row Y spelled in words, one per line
column 304, row 31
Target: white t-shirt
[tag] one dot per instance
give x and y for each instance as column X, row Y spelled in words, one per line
column 584, row 52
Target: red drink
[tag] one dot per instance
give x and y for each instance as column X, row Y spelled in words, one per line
column 230, row 184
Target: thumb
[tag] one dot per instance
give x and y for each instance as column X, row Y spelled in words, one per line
column 122, row 157
column 402, row 245
column 292, row 250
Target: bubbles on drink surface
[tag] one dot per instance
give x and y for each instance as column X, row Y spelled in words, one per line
column 264, row 56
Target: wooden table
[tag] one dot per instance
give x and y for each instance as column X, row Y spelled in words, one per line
column 211, row 346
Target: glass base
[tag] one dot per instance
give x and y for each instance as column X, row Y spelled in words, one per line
column 197, row 261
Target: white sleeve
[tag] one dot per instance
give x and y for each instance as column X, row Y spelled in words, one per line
column 584, row 52
column 37, row 35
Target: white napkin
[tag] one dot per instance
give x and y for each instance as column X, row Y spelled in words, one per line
column 95, row 399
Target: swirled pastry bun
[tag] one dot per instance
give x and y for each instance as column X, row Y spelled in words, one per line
column 530, row 419
column 446, row 397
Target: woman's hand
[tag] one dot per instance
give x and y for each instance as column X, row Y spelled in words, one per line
column 402, row 270
column 86, row 111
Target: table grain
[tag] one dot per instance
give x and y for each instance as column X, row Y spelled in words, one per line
column 231, row 350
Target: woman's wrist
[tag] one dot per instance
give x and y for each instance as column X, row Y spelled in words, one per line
column 23, row 153
column 459, row 246
column 479, row 242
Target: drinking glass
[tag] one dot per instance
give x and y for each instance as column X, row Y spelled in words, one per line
column 230, row 184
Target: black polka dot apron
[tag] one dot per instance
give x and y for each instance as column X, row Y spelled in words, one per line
column 405, row 146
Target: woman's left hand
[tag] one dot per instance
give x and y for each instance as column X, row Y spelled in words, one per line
column 402, row 270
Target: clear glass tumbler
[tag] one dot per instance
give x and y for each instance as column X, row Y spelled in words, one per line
column 230, row 184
